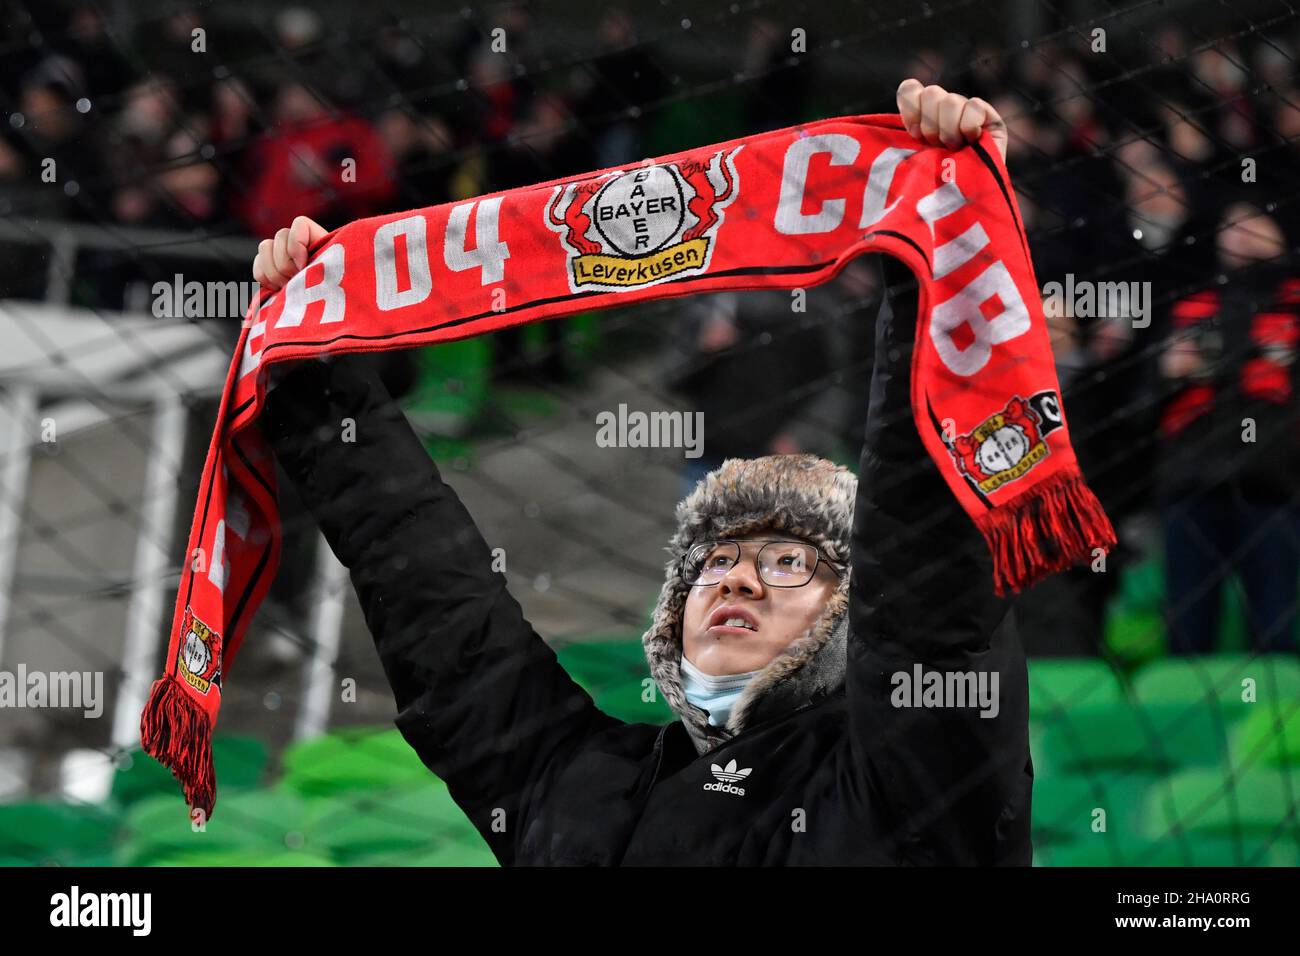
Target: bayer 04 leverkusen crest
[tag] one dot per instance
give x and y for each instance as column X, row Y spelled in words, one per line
column 200, row 654
column 643, row 226
column 1008, row 444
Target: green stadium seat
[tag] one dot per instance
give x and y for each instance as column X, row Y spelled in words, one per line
column 1135, row 629
column 1037, row 730
column 1260, row 801
column 239, row 762
column 1268, row 737
column 1098, row 850
column 261, row 820
column 1064, row 805
column 625, row 701
column 71, row 858
column 447, row 854
column 259, row 856
column 1217, row 680
column 139, row 776
column 1058, row 685
column 451, row 385
column 50, row 833
column 1128, row 738
column 409, row 820
column 1134, row 635
column 596, row 663
column 580, row 337
column 352, row 759
column 1142, row 583
column 614, row 672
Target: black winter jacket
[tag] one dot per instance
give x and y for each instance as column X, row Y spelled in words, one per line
column 845, row 779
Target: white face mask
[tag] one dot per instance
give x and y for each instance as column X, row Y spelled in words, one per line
column 715, row 694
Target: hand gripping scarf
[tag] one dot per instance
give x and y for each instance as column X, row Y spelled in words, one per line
column 784, row 209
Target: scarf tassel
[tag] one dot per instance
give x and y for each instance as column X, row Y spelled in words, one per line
column 175, row 731
column 1056, row 525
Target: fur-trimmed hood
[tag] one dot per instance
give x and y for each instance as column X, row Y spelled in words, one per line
column 800, row 495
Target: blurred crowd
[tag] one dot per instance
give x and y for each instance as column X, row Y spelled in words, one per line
column 1164, row 160
column 1173, row 173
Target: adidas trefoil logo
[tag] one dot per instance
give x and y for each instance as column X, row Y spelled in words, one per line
column 727, row 776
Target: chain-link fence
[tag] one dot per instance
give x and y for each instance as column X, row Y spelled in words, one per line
column 148, row 148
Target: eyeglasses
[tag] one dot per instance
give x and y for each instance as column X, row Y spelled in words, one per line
column 781, row 564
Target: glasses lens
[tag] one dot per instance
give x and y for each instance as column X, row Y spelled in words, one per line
column 787, row 564
column 781, row 564
column 708, row 563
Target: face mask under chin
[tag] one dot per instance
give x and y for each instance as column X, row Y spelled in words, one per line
column 716, row 694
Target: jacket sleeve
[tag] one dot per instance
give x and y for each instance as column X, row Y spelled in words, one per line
column 953, row 785
column 481, row 697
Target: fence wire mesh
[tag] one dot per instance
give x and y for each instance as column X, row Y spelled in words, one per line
column 1154, row 148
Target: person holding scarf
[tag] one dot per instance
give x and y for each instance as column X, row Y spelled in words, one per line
column 833, row 645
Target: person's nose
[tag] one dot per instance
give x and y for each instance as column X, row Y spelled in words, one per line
column 743, row 578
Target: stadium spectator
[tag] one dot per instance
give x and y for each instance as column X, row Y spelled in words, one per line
column 141, row 134
column 615, row 89
column 90, row 44
column 62, row 156
column 233, row 127
column 771, row 380
column 1116, row 160
column 780, row 78
column 420, row 148
column 325, row 164
column 1230, row 463
column 494, row 85
column 547, row 144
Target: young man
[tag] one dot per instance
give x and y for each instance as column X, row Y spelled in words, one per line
column 798, row 600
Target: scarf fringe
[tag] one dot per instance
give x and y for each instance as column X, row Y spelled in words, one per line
column 1052, row 527
column 175, row 731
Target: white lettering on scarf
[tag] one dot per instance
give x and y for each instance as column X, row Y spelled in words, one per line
column 967, row 307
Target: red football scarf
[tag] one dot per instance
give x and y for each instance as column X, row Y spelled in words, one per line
column 784, row 209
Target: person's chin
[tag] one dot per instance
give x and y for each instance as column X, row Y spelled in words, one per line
column 717, row 655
